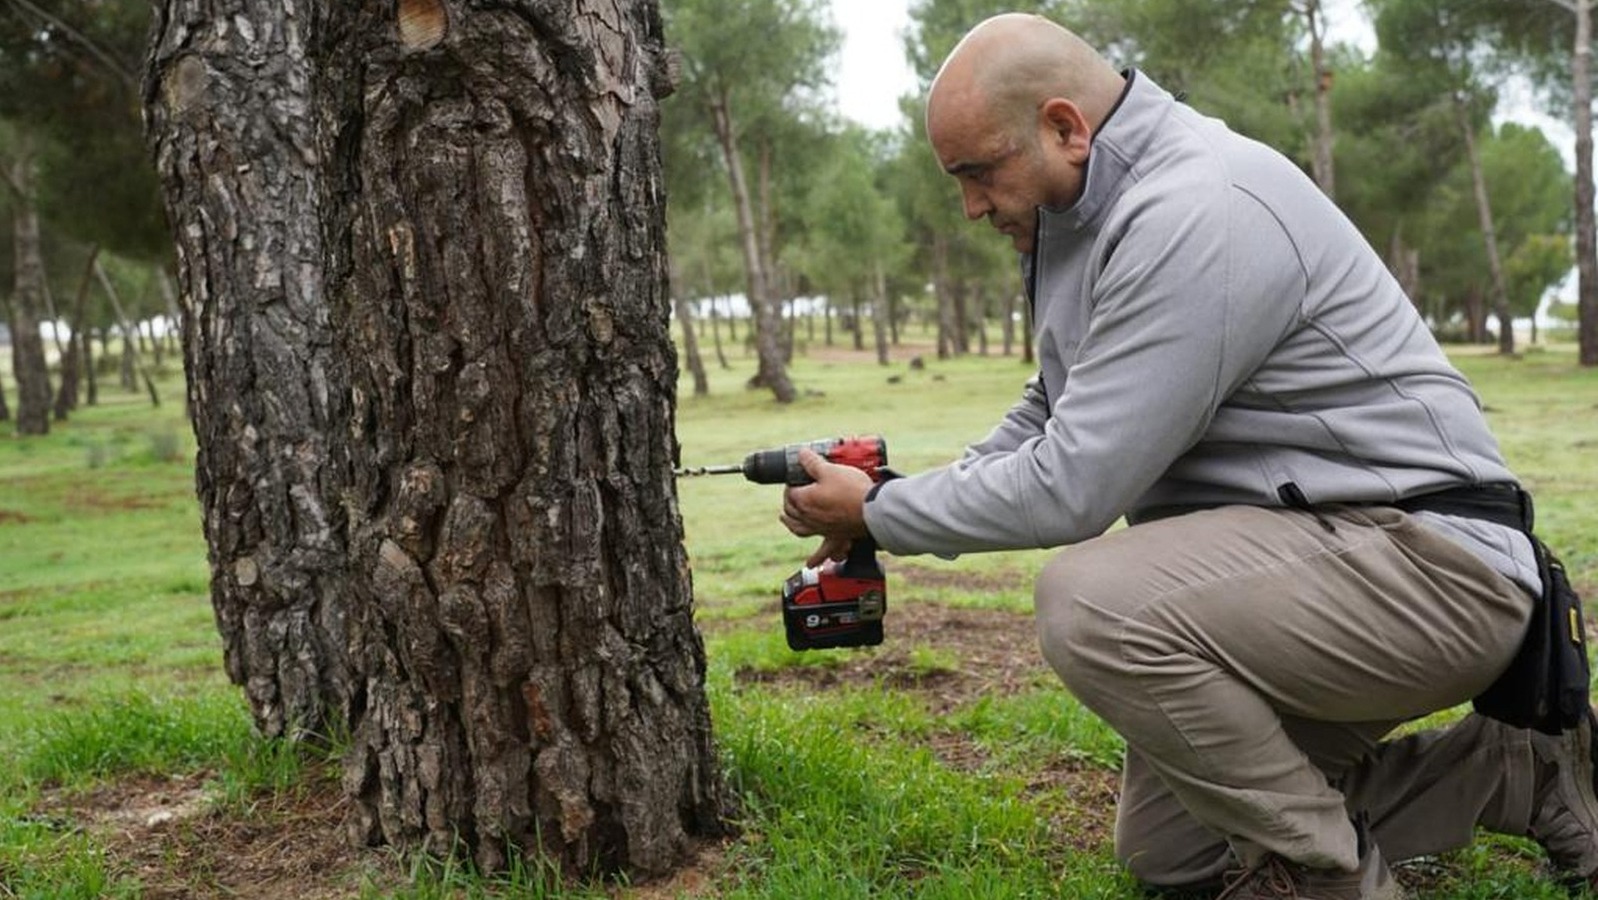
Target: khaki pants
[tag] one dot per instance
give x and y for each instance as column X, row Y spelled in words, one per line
column 1253, row 660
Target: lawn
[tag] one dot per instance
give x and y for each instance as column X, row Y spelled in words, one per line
column 946, row 763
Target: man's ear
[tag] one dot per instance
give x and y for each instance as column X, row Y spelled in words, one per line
column 1067, row 127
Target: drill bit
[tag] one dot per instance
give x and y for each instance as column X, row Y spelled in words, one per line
column 709, row 470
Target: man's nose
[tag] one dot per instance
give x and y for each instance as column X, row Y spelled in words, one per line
column 976, row 202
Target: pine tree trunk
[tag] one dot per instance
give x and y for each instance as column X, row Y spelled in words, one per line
column 715, row 335
column 28, row 365
column 879, row 311
column 1586, row 226
column 66, row 398
column 238, row 152
column 941, row 290
column 66, row 395
column 766, row 310
column 960, row 314
column 91, row 378
column 981, row 322
column 1009, row 322
column 468, row 346
column 1028, row 353
column 1489, row 233
column 690, row 346
column 1322, row 163
column 857, row 325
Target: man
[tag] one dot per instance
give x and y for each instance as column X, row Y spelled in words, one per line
column 1224, row 361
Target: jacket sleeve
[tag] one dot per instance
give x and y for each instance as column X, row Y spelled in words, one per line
column 1024, row 421
column 1195, row 287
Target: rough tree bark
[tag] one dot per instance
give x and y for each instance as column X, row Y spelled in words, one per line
column 422, row 249
column 232, row 113
column 28, row 365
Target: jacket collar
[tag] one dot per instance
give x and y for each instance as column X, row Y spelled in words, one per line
column 1120, row 141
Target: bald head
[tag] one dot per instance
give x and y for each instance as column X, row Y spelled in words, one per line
column 1009, row 65
column 1012, row 116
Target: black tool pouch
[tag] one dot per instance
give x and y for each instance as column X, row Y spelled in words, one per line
column 1545, row 686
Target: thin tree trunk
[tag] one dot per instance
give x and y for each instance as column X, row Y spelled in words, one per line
column 959, row 295
column 879, row 311
column 790, row 305
column 66, row 398
column 129, row 379
column 28, row 365
column 1476, row 316
column 1009, row 322
column 54, row 318
column 771, row 373
column 859, row 321
column 980, row 323
column 1404, row 263
column 434, row 387
column 1586, row 226
column 1322, row 163
column 5, row 410
column 715, row 335
column 941, row 290
column 130, row 360
column 1489, row 234
column 690, row 346
column 1027, row 352
column 155, row 342
column 91, row 378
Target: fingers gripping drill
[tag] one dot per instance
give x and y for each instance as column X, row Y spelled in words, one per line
column 837, row 604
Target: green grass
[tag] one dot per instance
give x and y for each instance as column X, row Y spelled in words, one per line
column 110, row 666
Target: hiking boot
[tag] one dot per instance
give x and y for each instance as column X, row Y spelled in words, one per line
column 1279, row 879
column 1565, row 816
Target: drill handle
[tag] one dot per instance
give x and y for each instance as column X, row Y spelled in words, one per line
column 862, row 560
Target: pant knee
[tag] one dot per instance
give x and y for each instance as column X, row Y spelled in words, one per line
column 1077, row 630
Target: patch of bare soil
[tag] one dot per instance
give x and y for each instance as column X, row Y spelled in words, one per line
column 89, row 501
column 167, row 834
column 7, row 515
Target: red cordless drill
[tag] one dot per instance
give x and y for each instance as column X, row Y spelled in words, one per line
column 838, row 604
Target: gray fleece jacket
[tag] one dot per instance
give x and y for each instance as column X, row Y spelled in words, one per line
column 1210, row 329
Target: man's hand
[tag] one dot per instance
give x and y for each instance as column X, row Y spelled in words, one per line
column 833, row 506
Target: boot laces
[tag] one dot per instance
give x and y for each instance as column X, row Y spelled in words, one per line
column 1272, row 878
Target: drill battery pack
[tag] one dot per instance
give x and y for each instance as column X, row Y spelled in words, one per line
column 838, row 604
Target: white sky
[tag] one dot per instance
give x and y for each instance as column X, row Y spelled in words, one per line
column 872, row 72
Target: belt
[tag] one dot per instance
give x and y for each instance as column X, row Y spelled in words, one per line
column 1502, row 502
